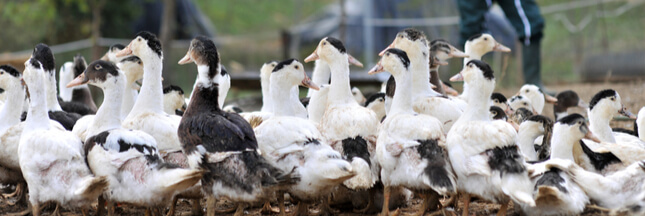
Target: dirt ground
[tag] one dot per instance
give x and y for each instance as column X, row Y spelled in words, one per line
column 631, row 94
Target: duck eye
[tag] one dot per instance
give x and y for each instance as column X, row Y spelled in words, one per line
column 296, row 67
column 485, row 38
column 401, row 36
column 324, row 43
column 97, row 67
column 1, row 72
column 138, row 39
column 613, row 98
column 388, row 54
column 525, row 104
column 527, row 91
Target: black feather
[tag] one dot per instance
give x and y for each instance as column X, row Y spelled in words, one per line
column 337, row 43
column 153, row 42
column 552, row 178
column 282, row 64
column 599, row 96
column 437, row 158
column 390, row 87
column 173, row 88
column 403, row 56
column 374, row 97
column 10, row 70
column 44, row 55
column 471, row 38
column 506, row 159
column 572, row 119
column 499, row 113
column 599, row 160
column 484, row 67
column 499, row 97
column 356, row 147
column 414, row 34
column 79, row 65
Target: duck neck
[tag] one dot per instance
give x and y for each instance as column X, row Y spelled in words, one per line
column 526, row 137
column 281, row 95
column 65, row 93
column 402, row 100
column 479, row 103
column 599, row 124
column 37, row 116
column 420, row 74
column 339, row 90
column 11, row 111
column 52, row 94
column 151, row 95
column 435, row 80
column 472, row 54
column 562, row 145
column 203, row 99
column 265, row 82
column 320, row 75
column 129, row 97
column 108, row 115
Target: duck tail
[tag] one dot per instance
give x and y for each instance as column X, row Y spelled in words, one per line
column 91, row 187
column 518, row 187
column 438, row 173
column 178, row 179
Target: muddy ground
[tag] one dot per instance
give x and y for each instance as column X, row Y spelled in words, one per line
column 632, row 97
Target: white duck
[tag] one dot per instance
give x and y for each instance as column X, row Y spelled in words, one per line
column 477, row 46
column 483, row 153
column 52, row 160
column 174, row 102
column 518, row 101
column 318, row 98
column 350, row 128
column 440, row 52
column 110, row 55
column 80, row 98
column 291, row 142
column 376, row 102
column 425, row 100
column 602, row 108
column 536, row 96
column 410, row 146
column 266, row 111
column 529, row 130
column 128, row 158
column 147, row 114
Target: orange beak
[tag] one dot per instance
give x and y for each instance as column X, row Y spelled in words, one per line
column 457, row 77
column 376, row 69
column 79, row 80
column 309, row 84
column 352, row 60
column 313, row 57
column 501, row 48
column 186, row 59
column 383, row 52
column 592, row 137
column 124, row 52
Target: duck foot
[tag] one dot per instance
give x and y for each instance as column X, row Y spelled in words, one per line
column 595, row 207
column 197, row 207
column 325, row 209
column 240, row 209
column 173, row 204
column 56, row 210
column 370, row 203
column 267, row 209
column 466, row 201
column 17, row 194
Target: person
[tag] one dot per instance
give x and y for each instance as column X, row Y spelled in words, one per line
column 524, row 16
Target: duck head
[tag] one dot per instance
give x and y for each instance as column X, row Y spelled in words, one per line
column 330, row 49
column 102, row 74
column 174, row 99
column 443, row 51
column 518, row 101
column 10, row 77
column 110, row 55
column 412, row 41
column 267, row 68
column 291, row 73
column 575, row 125
column 144, row 44
column 43, row 54
column 608, row 103
column 132, row 67
column 484, row 43
column 203, row 53
column 394, row 60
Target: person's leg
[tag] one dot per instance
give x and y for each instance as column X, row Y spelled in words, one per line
column 525, row 17
column 471, row 18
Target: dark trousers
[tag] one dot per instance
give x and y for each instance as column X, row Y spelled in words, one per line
column 526, row 19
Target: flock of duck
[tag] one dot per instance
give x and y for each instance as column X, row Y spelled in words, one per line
column 143, row 146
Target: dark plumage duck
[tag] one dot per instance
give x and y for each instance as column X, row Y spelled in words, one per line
column 567, row 99
column 222, row 143
column 81, row 101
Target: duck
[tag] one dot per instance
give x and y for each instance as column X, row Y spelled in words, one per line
column 110, row 55
column 483, row 153
column 477, row 46
column 555, row 191
column 266, row 111
column 221, row 143
column 520, row 115
column 603, row 106
column 497, row 113
column 129, row 159
column 519, row 101
column 567, row 99
column 356, row 143
column 173, row 100
column 442, row 50
column 54, row 109
column 147, row 113
column 425, row 100
column 499, row 100
column 81, row 100
column 317, row 102
column 132, row 67
column 536, row 96
column 292, row 143
column 528, row 131
column 52, row 161
column 376, row 102
column 358, row 95
column 410, row 147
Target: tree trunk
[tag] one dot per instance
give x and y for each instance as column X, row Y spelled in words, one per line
column 97, row 8
column 166, row 33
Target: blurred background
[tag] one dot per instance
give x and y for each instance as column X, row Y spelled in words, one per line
column 585, row 40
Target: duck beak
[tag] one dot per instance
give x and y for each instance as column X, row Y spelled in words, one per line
column 457, row 77
column 508, row 110
column 458, row 54
column 376, row 69
column 627, row 113
column 550, row 99
column 186, row 59
column 450, row 91
column 439, row 62
column 353, row 61
column 309, row 84
column 313, row 57
column 592, row 137
column 105, row 56
column 79, row 80
column 124, row 52
column 583, row 104
column 501, row 48
column 386, row 48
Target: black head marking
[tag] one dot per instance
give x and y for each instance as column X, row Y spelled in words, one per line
column 79, row 65
column 403, row 56
column 499, row 113
column 173, row 88
column 439, row 45
column 599, row 96
column 132, row 58
column 153, row 41
column 552, row 178
column 390, row 87
column 282, row 64
column 10, row 70
column 471, row 38
column 414, row 34
column 566, row 99
column 572, row 119
column 337, row 43
column 271, row 61
column 438, row 41
column 98, row 70
column 205, row 53
column 541, row 119
column 356, row 147
column 374, row 97
column 484, row 67
column 223, row 70
column 116, row 47
column 499, row 97
column 35, row 63
column 44, row 55
column 1, row 90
